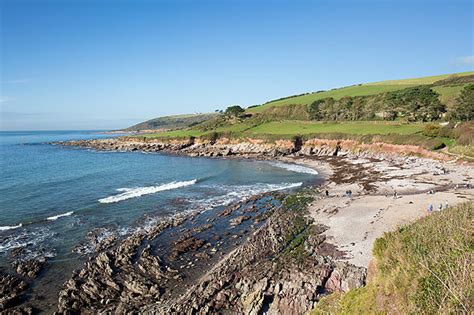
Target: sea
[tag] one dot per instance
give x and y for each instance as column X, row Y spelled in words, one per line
column 52, row 196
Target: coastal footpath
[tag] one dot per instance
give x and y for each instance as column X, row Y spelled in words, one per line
column 285, row 251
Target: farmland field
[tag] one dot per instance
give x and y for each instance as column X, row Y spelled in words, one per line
column 446, row 92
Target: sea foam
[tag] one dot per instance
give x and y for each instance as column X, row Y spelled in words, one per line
column 55, row 217
column 240, row 192
column 295, row 168
column 10, row 227
column 129, row 193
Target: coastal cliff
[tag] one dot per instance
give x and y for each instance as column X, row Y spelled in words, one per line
column 255, row 148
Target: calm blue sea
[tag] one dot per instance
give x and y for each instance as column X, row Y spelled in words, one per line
column 52, row 196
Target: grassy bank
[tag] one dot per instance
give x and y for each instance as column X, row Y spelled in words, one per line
column 295, row 127
column 422, row 268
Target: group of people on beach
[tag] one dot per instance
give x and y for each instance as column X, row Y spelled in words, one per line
column 440, row 207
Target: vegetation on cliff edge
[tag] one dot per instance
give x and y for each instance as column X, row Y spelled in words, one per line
column 421, row 268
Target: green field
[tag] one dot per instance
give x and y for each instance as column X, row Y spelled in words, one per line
column 354, row 128
column 422, row 80
column 366, row 89
column 293, row 127
column 448, row 93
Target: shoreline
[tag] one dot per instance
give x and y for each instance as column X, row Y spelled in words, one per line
column 409, row 171
column 338, row 232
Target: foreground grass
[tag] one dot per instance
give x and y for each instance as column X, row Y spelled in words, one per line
column 423, row 268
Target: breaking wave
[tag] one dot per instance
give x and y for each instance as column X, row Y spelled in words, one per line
column 25, row 238
column 295, row 168
column 129, row 193
column 55, row 217
column 10, row 227
column 235, row 193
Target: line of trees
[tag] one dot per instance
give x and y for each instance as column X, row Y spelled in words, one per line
column 412, row 104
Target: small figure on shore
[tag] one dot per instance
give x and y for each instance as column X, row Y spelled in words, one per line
column 440, row 207
column 446, row 205
column 395, row 195
column 349, row 193
column 327, row 193
column 430, row 208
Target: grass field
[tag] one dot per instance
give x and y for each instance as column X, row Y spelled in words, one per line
column 421, row 81
column 293, row 127
column 448, row 93
column 366, row 89
column 355, row 128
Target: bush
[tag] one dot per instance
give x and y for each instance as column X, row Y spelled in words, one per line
column 432, row 130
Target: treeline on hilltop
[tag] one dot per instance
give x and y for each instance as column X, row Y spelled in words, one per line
column 413, row 104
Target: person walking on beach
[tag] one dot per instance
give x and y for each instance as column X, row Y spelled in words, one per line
column 446, row 204
column 430, row 208
column 327, row 193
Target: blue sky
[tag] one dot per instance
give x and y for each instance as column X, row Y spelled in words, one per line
column 108, row 64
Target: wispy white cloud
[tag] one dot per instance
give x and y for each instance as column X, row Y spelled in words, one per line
column 466, row 60
column 16, row 81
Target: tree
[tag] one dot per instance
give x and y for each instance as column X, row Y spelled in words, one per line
column 315, row 111
column 235, row 110
column 418, row 103
column 464, row 107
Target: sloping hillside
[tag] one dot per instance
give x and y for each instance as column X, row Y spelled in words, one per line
column 447, row 85
column 171, row 122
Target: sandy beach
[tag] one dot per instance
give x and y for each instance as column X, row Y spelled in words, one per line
column 355, row 222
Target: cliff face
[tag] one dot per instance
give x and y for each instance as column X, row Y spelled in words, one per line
column 256, row 147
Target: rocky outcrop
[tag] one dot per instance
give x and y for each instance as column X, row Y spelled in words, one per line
column 217, row 149
column 277, row 268
column 271, row 272
column 29, row 263
column 12, row 290
column 345, row 277
column 123, row 278
column 255, row 148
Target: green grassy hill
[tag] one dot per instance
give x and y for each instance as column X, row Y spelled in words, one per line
column 397, row 112
column 171, row 122
column 371, row 89
column 422, row 268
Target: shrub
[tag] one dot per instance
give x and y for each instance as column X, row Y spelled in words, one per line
column 432, row 130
